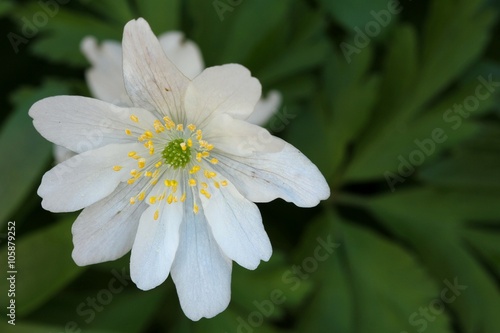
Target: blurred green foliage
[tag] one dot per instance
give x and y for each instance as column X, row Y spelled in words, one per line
column 396, row 102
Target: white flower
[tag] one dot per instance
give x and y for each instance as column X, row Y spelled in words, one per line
column 105, row 77
column 173, row 178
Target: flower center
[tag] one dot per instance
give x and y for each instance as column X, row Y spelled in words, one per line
column 177, row 153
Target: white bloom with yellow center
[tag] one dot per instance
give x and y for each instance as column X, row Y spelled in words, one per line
column 173, row 178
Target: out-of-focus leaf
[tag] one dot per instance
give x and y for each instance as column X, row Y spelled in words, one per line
column 439, row 66
column 59, row 40
column 359, row 12
column 330, row 308
column 117, row 10
column 474, row 165
column 267, row 284
column 5, row 7
column 161, row 15
column 486, row 244
column 432, row 223
column 27, row 327
column 28, row 153
column 43, row 264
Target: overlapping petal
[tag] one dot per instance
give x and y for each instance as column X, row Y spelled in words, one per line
column 237, row 227
column 81, row 124
column 155, row 245
column 106, row 230
column 201, row 272
column 86, row 178
column 185, row 54
column 227, row 89
column 265, row 108
column 152, row 81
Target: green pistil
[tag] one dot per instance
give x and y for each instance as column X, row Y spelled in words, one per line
column 175, row 156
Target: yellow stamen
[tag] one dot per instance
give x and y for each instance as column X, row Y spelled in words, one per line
column 157, row 213
column 194, row 169
column 132, row 200
column 217, row 185
column 141, row 196
column 148, row 134
column 128, row 132
column 170, row 198
column 134, row 118
column 214, row 161
column 157, row 165
column 183, row 146
column 132, row 154
column 117, row 168
column 183, row 197
column 189, row 142
column 152, row 200
column 180, row 127
column 192, row 182
column 191, row 127
column 141, row 163
column 223, row 183
column 205, row 193
column 198, row 157
column 131, row 181
column 195, row 209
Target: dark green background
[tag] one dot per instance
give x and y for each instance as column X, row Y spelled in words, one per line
column 374, row 114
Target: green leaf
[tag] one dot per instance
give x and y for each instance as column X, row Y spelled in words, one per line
column 29, row 154
column 359, row 12
column 59, row 40
column 5, row 7
column 161, row 15
column 118, row 11
column 433, row 224
column 43, row 264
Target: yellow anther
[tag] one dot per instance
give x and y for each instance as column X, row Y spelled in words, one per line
column 148, row 134
column 169, row 124
column 131, row 181
column 223, row 183
column 183, row 197
column 168, row 183
column 154, row 182
column 180, row 127
column 148, row 144
column 151, row 151
column 194, row 169
column 191, row 127
column 214, row 161
column 132, row 154
column 157, row 213
column 132, row 200
column 117, row 168
column 205, row 154
column 157, row 165
column 183, row 146
column 148, row 174
column 205, row 193
column 199, row 135
column 189, row 142
column 142, row 137
column 170, row 198
column 195, row 209
column 203, row 143
column 209, row 174
column 141, row 196
column 133, row 172
column 161, row 197
column 216, row 184
column 204, row 185
column 155, row 173
column 158, row 126
column 134, row 118
column 192, row 182
column 141, row 163
column 198, row 157
column 209, row 146
column 152, row 200
column 128, row 132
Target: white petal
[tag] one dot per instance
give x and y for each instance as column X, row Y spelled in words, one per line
column 265, row 108
column 61, row 154
column 106, row 230
column 105, row 77
column 184, row 53
column 155, row 245
column 238, row 137
column 201, row 272
column 151, row 79
column 227, row 89
column 264, row 176
column 81, row 124
column 237, row 226
column 86, row 178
